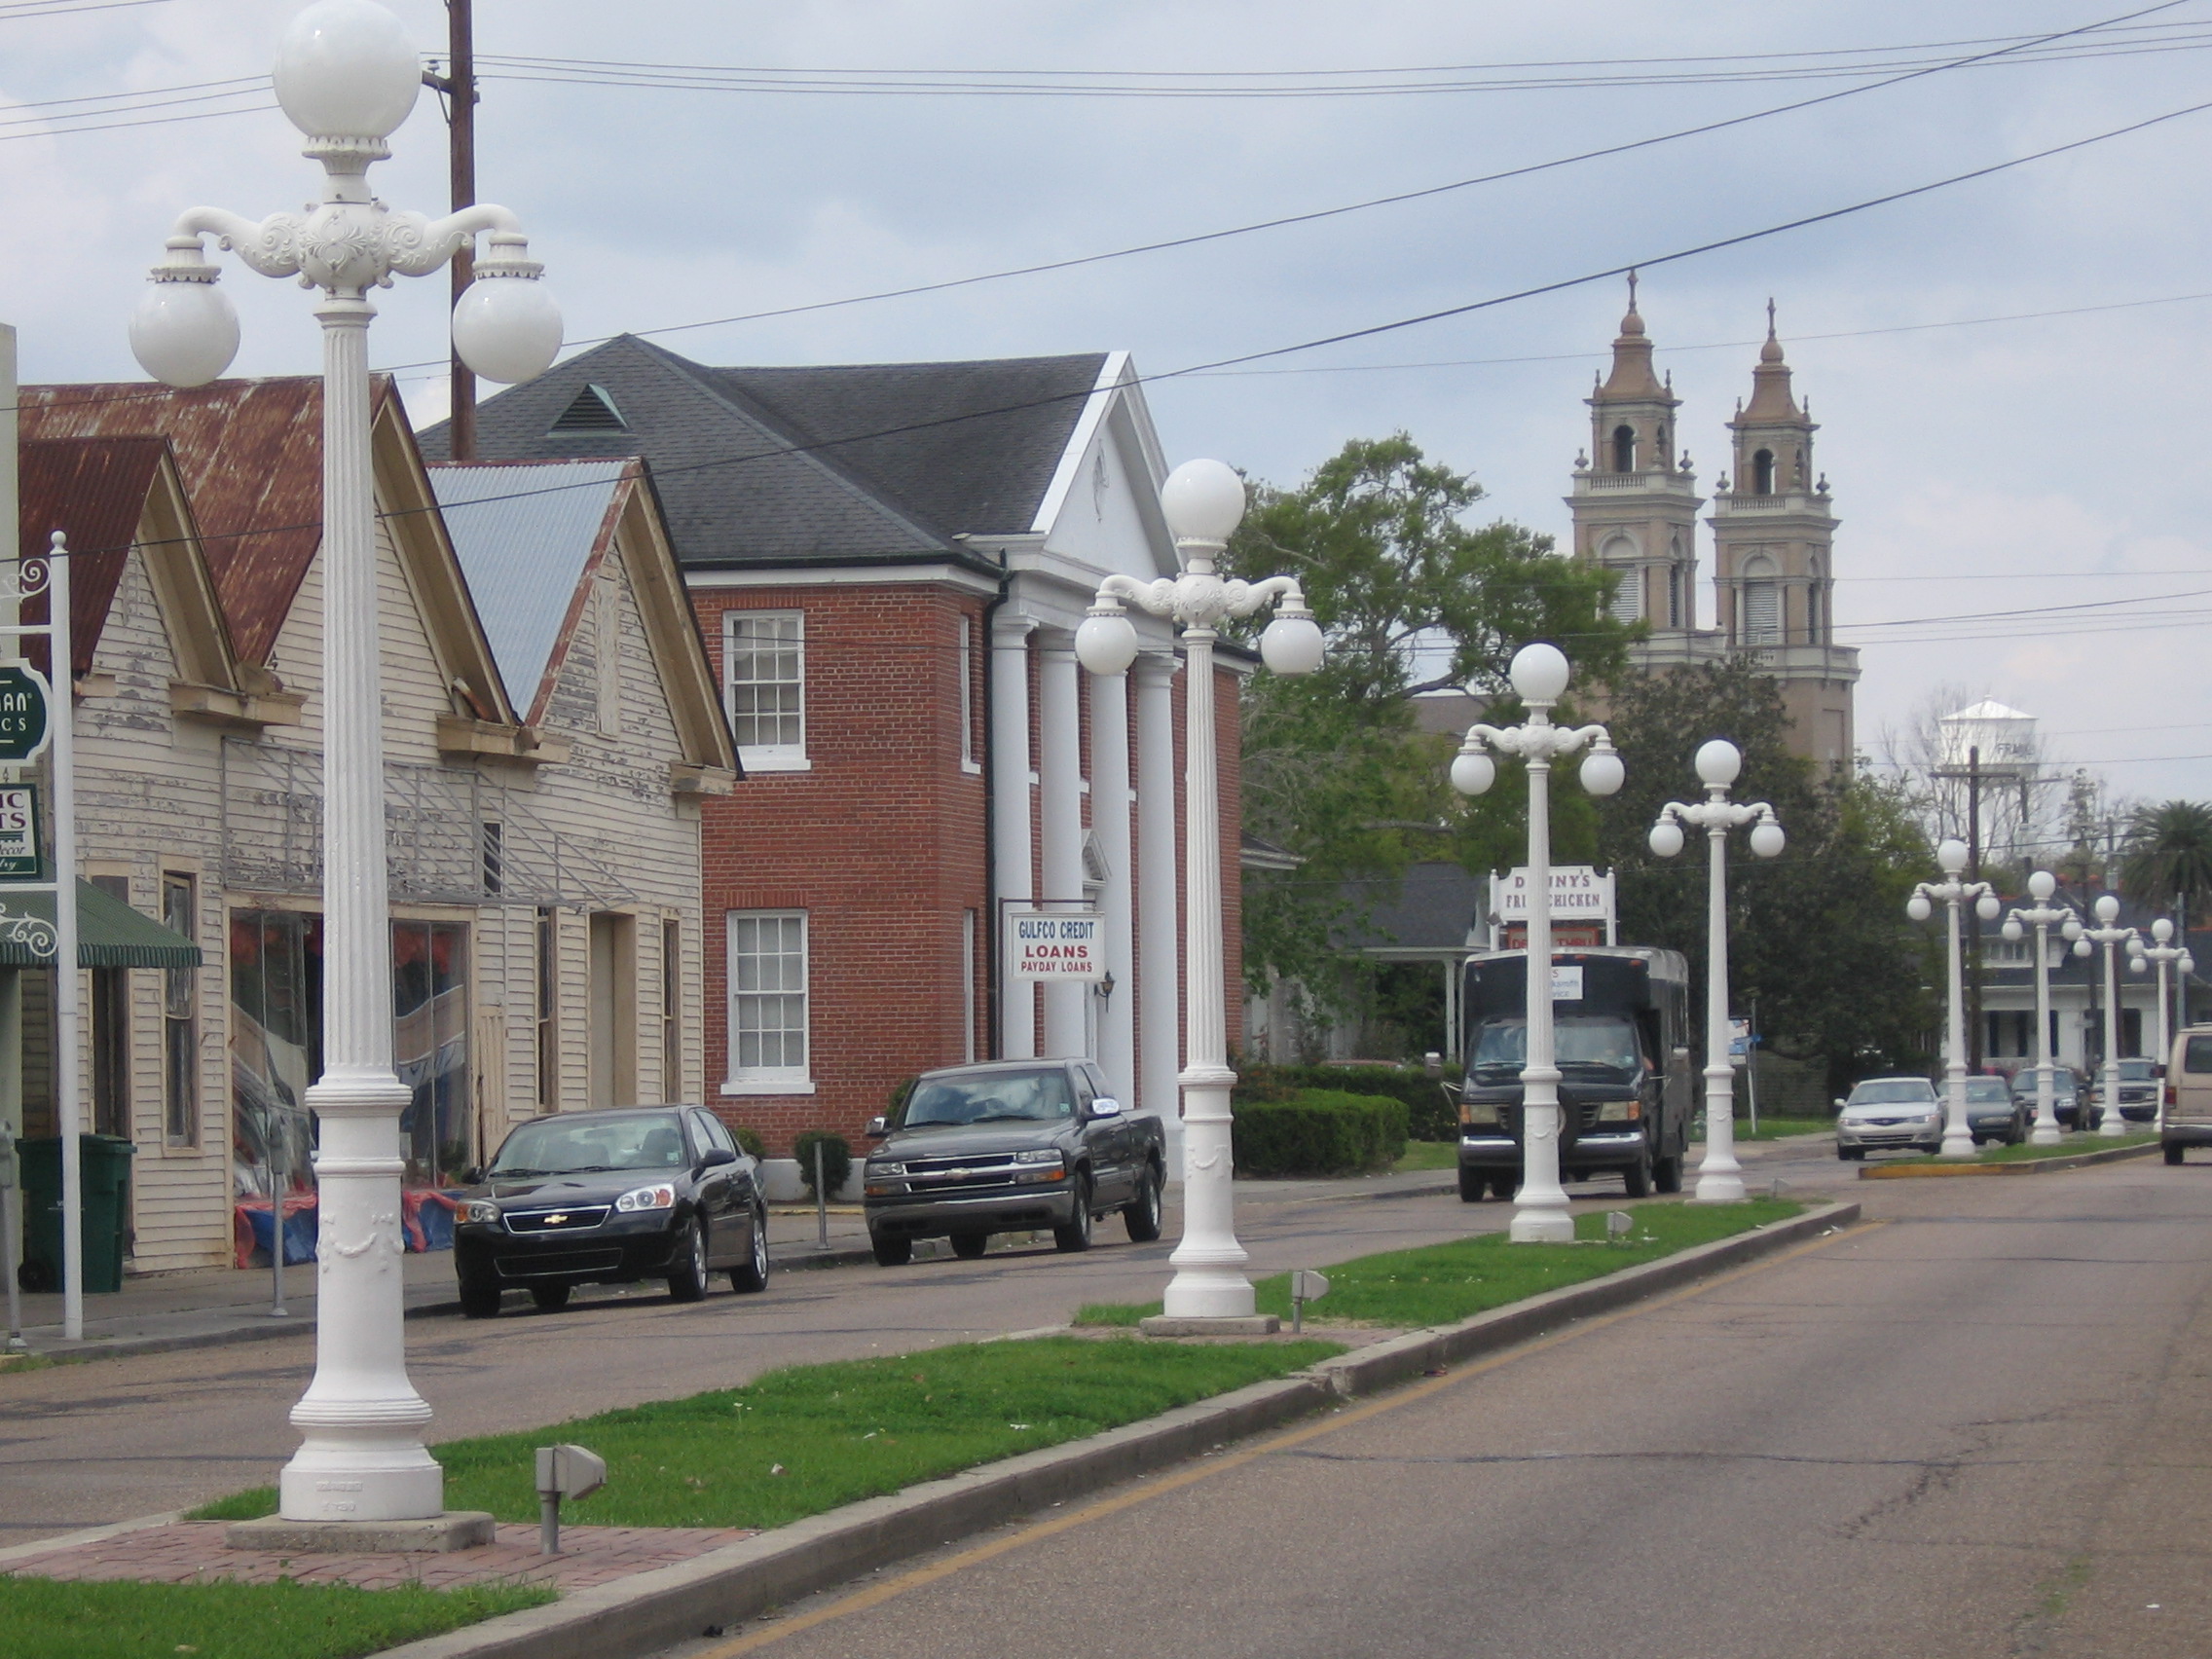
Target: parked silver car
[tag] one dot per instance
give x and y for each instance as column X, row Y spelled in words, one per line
column 1886, row 1113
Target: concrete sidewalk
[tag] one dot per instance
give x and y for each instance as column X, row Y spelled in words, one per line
column 212, row 1306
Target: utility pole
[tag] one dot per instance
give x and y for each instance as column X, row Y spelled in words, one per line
column 458, row 85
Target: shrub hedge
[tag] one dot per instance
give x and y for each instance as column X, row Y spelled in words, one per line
column 1430, row 1114
column 1319, row 1132
column 836, row 1159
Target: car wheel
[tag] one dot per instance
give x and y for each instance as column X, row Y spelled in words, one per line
column 1636, row 1179
column 1503, row 1182
column 1473, row 1184
column 689, row 1281
column 891, row 1252
column 2173, row 1153
column 970, row 1246
column 1075, row 1236
column 550, row 1296
column 479, row 1297
column 753, row 1275
column 1142, row 1217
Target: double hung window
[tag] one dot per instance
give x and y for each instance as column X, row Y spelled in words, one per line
column 764, row 680
column 768, row 1003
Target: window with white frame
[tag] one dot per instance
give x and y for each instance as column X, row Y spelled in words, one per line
column 768, row 1001
column 970, row 761
column 764, row 681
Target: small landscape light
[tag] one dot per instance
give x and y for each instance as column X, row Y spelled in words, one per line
column 563, row 1471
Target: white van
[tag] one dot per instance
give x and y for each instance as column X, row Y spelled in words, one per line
column 2187, row 1119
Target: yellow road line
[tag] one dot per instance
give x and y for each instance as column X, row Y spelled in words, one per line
column 875, row 1594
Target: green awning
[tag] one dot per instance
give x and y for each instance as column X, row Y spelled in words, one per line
column 110, row 934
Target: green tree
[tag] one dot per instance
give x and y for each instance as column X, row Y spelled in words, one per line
column 2167, row 863
column 1411, row 597
column 1817, row 936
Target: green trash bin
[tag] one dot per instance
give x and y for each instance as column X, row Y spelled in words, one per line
column 105, row 1162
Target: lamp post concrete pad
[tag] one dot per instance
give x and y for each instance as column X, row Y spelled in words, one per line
column 1230, row 1325
column 434, row 1535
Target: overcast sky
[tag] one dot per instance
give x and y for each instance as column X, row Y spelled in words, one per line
column 2024, row 463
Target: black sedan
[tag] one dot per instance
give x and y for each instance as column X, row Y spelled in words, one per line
column 611, row 1197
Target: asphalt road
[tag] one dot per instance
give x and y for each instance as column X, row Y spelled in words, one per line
column 1980, row 1427
column 116, row 1439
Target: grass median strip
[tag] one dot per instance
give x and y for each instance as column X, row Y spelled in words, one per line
column 1439, row 1284
column 47, row 1619
column 808, row 1438
column 2027, row 1152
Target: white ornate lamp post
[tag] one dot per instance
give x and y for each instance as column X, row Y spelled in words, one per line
column 1539, row 674
column 2165, row 953
column 1953, row 892
column 347, row 77
column 1719, row 1177
column 1203, row 502
column 2042, row 916
column 2109, row 934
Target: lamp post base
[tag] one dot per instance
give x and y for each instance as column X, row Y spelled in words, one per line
column 1251, row 1325
column 1199, row 1291
column 454, row 1530
column 1542, row 1226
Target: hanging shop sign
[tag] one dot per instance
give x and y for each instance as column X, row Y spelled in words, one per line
column 23, row 699
column 1056, row 944
column 20, row 859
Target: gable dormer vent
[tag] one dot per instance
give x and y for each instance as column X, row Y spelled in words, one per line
column 592, row 410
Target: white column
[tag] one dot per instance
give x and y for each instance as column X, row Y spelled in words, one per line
column 1009, row 823
column 1719, row 1176
column 1059, row 822
column 362, row 1456
column 2110, row 1123
column 1540, row 1215
column 1958, row 1137
column 1110, row 822
column 1209, row 1281
column 2047, row 1118
column 1157, row 961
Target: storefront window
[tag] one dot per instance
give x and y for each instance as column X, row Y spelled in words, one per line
column 429, row 1000
column 275, row 1048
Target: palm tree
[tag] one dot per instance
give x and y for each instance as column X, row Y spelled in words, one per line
column 2168, row 856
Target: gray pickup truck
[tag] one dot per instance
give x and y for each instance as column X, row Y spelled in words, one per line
column 1009, row 1146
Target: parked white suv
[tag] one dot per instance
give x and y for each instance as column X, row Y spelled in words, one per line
column 1886, row 1112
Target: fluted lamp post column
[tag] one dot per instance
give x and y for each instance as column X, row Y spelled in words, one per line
column 1719, row 1177
column 1204, row 502
column 2042, row 916
column 1539, row 673
column 1952, row 892
column 2166, row 954
column 348, row 77
column 2109, row 934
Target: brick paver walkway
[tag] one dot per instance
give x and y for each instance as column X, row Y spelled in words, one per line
column 193, row 1552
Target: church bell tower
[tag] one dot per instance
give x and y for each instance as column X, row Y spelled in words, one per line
column 1635, row 503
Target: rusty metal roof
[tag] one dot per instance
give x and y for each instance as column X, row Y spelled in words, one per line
column 93, row 491
column 250, row 454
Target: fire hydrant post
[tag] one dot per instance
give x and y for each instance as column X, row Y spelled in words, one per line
column 563, row 1471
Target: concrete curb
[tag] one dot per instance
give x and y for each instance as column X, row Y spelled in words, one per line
column 651, row 1610
column 2027, row 1166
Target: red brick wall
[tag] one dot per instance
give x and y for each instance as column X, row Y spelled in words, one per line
column 881, row 843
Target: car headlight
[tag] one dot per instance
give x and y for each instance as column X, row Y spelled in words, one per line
column 658, row 1196
column 1620, row 1112
column 481, row 1210
column 874, row 1169
column 1479, row 1114
column 1038, row 1155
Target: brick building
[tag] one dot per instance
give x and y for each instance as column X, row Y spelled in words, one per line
column 888, row 563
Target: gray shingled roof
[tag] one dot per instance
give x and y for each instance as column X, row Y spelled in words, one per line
column 1430, row 907
column 783, row 465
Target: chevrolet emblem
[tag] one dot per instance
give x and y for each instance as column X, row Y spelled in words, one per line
column 556, row 1218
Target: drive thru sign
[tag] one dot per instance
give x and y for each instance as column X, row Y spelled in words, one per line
column 1055, row 944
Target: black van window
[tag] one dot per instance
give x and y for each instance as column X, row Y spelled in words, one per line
column 2197, row 1056
column 1594, row 1043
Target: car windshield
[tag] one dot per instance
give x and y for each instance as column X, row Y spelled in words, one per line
column 2136, row 1071
column 1894, row 1092
column 560, row 1146
column 1596, row 1043
column 997, row 1098
column 1989, row 1088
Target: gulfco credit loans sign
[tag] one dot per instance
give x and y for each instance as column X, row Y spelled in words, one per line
column 1056, row 944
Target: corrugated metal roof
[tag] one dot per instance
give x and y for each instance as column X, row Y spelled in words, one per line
column 525, row 532
column 93, row 491
column 250, row 454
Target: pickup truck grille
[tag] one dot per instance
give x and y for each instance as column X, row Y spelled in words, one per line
column 933, row 1176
